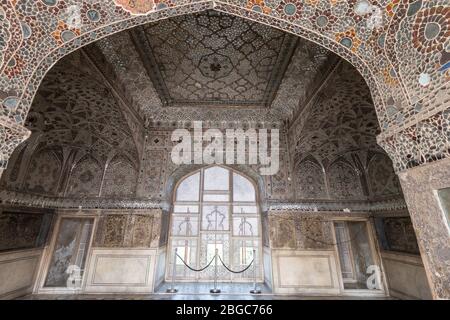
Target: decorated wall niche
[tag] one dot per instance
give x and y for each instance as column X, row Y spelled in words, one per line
column 344, row 181
column 371, row 173
column 75, row 107
column 85, row 178
column 44, row 171
column 280, row 183
column 310, row 180
column 339, row 127
column 120, row 178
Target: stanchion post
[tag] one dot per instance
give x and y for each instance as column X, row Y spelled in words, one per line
column 255, row 289
column 215, row 290
column 174, row 270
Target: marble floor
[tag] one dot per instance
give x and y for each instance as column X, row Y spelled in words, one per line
column 204, row 287
column 164, row 296
column 197, row 291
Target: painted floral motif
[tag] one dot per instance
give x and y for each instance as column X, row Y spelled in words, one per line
column 14, row 66
column 136, row 6
column 324, row 19
column 390, row 76
column 431, row 29
column 64, row 32
column 349, row 39
column 258, row 6
column 392, row 7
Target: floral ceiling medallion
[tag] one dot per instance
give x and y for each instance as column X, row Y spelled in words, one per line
column 136, row 7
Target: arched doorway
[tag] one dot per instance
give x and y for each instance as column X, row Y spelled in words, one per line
column 215, row 208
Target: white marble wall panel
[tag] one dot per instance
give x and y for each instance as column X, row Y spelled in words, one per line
column 406, row 276
column 121, row 271
column 311, row 272
column 18, row 272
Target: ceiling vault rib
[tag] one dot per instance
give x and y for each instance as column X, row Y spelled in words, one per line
column 117, row 92
column 336, row 61
column 284, row 58
column 145, row 51
column 110, row 84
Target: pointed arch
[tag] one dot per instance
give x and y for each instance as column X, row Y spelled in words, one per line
column 44, row 171
column 215, row 208
column 344, row 182
column 85, row 178
column 310, row 180
column 120, row 178
column 184, row 171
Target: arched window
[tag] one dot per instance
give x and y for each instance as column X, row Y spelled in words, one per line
column 215, row 208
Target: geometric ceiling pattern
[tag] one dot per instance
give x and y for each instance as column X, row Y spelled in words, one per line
column 154, row 76
column 214, row 59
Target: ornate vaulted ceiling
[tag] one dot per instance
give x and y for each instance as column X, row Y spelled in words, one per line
column 75, row 109
column 342, row 119
column 214, row 59
column 212, row 66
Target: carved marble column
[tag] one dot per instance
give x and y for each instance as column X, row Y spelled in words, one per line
column 420, row 186
column 11, row 135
